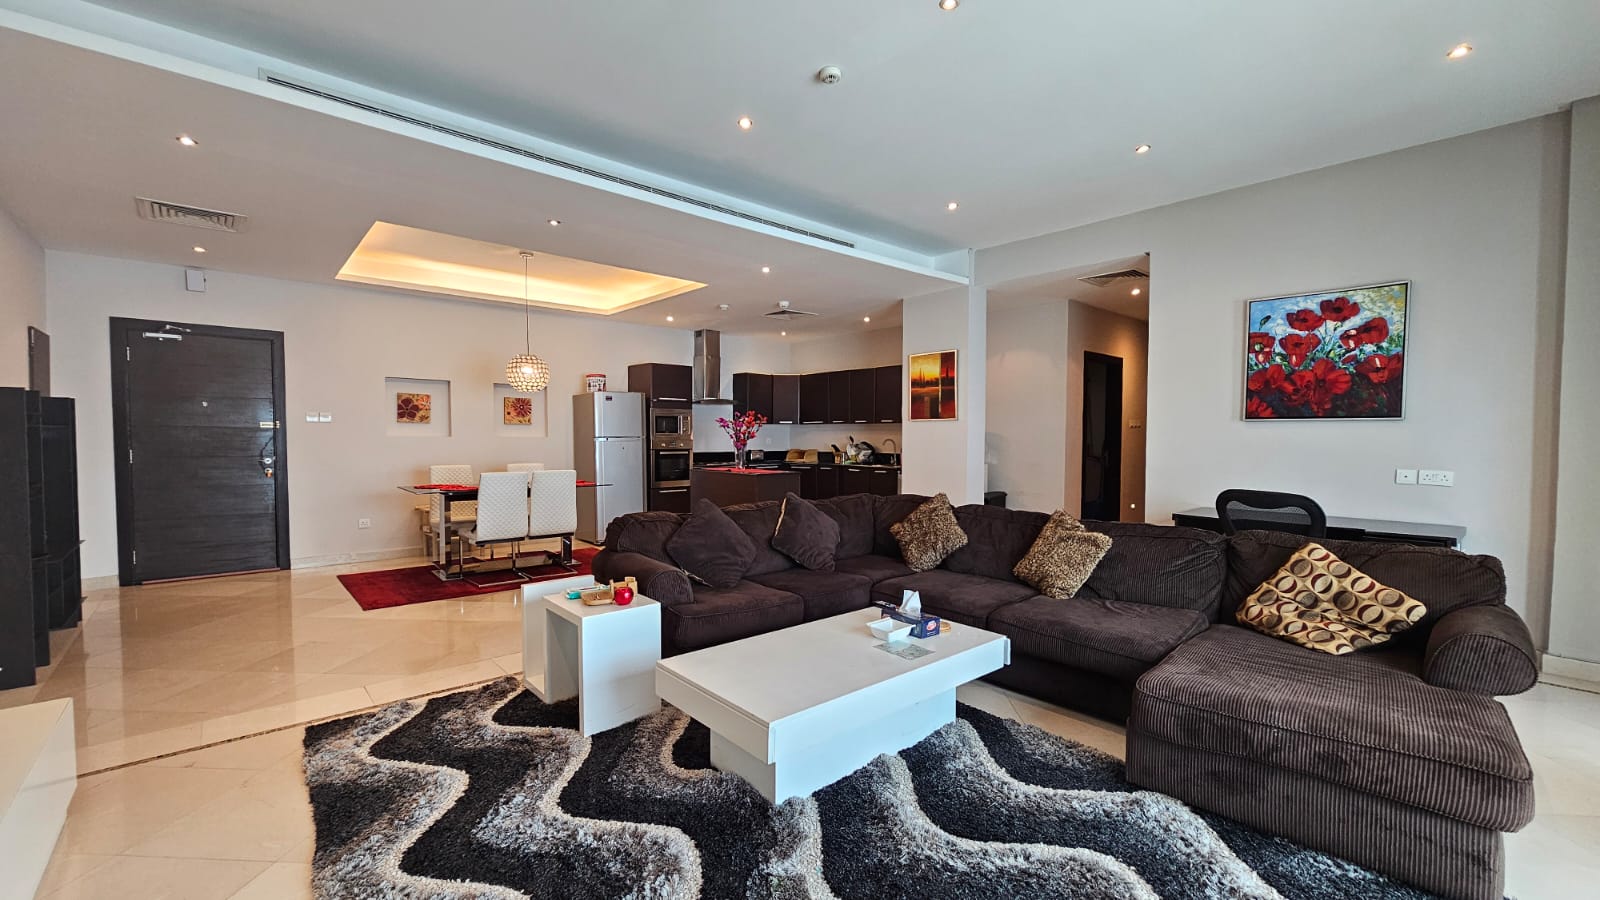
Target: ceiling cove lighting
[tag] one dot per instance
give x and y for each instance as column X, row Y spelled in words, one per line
column 1142, row 149
column 525, row 372
column 187, row 141
column 746, row 123
column 1458, row 51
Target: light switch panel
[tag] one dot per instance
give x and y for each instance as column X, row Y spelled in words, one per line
column 325, row 417
column 1405, row 476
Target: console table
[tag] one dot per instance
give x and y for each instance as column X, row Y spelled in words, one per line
column 1340, row 528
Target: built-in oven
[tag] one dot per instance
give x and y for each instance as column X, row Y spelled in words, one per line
column 671, row 428
column 669, row 468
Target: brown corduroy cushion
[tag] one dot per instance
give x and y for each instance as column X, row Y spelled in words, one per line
column 1062, row 557
column 1321, row 602
column 712, row 547
column 806, row 534
column 928, row 534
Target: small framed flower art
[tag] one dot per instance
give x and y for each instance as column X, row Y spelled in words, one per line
column 1330, row 355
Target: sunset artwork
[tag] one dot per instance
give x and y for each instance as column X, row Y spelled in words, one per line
column 933, row 385
column 413, row 409
column 1333, row 355
column 517, row 411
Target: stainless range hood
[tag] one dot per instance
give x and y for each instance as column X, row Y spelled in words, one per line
column 708, row 367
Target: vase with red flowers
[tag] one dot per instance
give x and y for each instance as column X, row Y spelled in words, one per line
column 742, row 429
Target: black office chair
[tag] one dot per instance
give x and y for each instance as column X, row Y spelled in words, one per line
column 1242, row 510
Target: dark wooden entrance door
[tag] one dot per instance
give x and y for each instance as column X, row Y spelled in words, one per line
column 1102, row 437
column 202, row 483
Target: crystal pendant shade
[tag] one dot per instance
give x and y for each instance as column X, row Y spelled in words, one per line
column 527, row 373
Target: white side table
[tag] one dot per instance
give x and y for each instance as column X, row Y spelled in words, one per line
column 604, row 655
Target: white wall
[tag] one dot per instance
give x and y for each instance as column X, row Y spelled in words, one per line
column 948, row 456
column 855, row 350
column 1099, row 331
column 1475, row 223
column 1575, row 608
column 340, row 343
column 1028, row 415
column 22, row 299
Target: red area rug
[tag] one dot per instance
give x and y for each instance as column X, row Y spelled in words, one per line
column 418, row 584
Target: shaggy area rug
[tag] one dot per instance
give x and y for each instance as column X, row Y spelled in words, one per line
column 489, row 793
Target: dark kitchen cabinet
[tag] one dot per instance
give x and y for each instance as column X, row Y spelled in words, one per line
column 855, row 480
column 808, row 481
column 662, row 383
column 675, row 500
column 863, row 390
column 885, row 482
column 839, row 397
column 827, row 482
column 886, row 394
column 785, row 399
column 814, row 398
column 752, row 392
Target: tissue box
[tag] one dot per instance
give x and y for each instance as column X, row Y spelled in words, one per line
column 921, row 627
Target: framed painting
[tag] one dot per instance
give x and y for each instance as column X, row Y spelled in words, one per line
column 413, row 408
column 1330, row 355
column 516, row 410
column 933, row 386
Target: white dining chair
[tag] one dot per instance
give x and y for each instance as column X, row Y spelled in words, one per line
column 502, row 518
column 462, row 512
column 525, row 467
column 553, row 507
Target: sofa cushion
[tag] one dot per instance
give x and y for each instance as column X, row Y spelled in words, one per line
column 1348, row 720
column 712, row 547
column 929, row 534
column 1105, row 636
column 1160, row 565
column 1062, row 558
column 1441, row 579
column 1320, row 602
column 806, row 534
column 854, row 513
column 873, row 567
column 720, row 615
column 968, row 599
column 1482, row 649
column 886, row 513
column 823, row 593
column 644, row 532
column 758, row 521
column 998, row 538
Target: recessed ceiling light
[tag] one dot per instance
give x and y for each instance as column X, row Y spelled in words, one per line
column 669, row 318
column 746, row 123
column 1458, row 51
column 948, row 5
column 952, row 206
column 1135, row 292
column 766, row 270
column 199, row 249
column 1142, row 149
column 783, row 333
column 866, row 318
column 555, row 221
column 187, row 141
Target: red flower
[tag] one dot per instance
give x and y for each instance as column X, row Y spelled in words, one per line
column 1374, row 331
column 1340, row 309
column 1304, row 319
column 1299, row 346
column 1261, row 345
column 1264, row 381
column 1317, row 386
column 1381, row 369
column 1254, row 408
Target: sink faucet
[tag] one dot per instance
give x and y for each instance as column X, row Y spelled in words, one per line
column 889, row 440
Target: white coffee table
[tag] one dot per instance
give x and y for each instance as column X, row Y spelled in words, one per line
column 794, row 710
column 603, row 655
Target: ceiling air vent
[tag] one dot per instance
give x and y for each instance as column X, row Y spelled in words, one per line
column 192, row 216
column 784, row 314
column 1105, row 278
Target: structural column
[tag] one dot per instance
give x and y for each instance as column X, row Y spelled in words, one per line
column 948, row 454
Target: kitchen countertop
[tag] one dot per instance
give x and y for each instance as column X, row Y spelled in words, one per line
column 729, row 470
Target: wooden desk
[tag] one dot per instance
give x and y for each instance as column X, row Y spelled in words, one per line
column 1340, row 528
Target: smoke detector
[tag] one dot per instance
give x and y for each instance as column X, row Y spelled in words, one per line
column 784, row 314
column 830, row 75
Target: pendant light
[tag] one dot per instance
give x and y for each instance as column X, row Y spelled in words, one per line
column 525, row 372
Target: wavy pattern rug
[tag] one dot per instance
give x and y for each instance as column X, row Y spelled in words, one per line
column 489, row 793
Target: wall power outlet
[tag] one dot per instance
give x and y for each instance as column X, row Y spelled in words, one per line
column 1437, row 477
column 363, row 523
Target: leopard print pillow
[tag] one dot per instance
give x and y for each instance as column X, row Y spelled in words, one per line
column 1318, row 600
column 1062, row 557
column 929, row 534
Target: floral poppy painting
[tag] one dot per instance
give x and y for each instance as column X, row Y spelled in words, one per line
column 413, row 409
column 516, row 410
column 1333, row 355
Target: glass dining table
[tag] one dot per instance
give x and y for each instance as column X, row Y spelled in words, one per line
column 448, row 495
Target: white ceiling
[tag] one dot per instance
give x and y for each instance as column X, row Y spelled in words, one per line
column 1057, row 287
column 1024, row 111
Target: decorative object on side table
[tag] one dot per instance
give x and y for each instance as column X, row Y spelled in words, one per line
column 413, row 408
column 933, row 385
column 742, row 429
column 1333, row 355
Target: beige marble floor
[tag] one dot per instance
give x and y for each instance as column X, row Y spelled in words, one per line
column 161, row 668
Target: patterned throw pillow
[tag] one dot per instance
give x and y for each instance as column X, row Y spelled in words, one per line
column 1062, row 557
column 1318, row 600
column 928, row 534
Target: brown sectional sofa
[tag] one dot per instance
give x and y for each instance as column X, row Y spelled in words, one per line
column 1396, row 758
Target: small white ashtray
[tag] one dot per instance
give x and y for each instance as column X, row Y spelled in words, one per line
column 891, row 631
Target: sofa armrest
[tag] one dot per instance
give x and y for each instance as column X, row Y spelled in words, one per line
column 664, row 583
column 1483, row 650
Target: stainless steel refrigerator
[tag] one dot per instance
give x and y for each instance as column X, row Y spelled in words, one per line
column 608, row 449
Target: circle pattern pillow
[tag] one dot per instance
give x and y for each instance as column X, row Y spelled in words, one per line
column 1318, row 600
